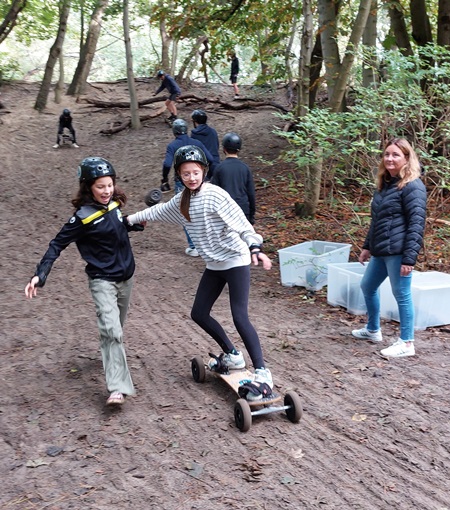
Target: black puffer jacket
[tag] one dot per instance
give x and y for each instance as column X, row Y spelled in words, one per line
column 398, row 221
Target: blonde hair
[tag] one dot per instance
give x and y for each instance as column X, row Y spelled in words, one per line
column 409, row 172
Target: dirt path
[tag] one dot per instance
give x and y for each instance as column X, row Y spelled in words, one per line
column 374, row 434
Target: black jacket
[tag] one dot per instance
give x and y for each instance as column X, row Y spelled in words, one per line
column 209, row 138
column 398, row 221
column 102, row 240
column 234, row 176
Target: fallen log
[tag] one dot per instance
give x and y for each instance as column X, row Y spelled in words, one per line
column 245, row 103
column 127, row 122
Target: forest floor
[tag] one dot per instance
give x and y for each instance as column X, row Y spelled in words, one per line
column 374, row 433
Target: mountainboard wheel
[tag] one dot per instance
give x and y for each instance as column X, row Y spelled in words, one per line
column 198, row 369
column 295, row 411
column 242, row 415
column 153, row 197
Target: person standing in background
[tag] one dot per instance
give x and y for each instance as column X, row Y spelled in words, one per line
column 234, row 74
column 208, row 136
column 395, row 237
column 234, row 176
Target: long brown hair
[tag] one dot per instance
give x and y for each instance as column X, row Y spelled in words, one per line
column 84, row 195
column 409, row 172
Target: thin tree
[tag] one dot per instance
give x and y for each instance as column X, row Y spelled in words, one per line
column 88, row 49
column 11, row 18
column 134, row 105
column 41, row 100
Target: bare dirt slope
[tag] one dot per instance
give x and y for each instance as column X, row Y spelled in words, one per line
column 374, row 435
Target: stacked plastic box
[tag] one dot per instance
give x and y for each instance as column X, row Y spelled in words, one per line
column 306, row 264
column 430, row 291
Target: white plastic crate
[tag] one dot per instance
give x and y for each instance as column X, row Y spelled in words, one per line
column 431, row 296
column 306, row 264
column 430, row 292
column 343, row 289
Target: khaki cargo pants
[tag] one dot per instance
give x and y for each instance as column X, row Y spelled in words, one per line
column 111, row 303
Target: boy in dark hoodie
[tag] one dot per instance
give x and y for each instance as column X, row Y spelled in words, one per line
column 208, row 136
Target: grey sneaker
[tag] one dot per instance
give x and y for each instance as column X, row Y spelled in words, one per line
column 192, row 252
column 365, row 334
column 399, row 349
column 263, row 375
column 56, row 146
column 232, row 361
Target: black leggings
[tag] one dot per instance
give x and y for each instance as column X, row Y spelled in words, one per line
column 209, row 289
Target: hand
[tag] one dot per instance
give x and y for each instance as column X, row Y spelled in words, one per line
column 31, row 289
column 364, row 256
column 260, row 256
column 406, row 270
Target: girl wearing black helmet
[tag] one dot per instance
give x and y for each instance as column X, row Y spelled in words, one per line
column 228, row 244
column 101, row 235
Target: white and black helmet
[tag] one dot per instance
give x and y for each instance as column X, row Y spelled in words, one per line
column 189, row 153
column 92, row 168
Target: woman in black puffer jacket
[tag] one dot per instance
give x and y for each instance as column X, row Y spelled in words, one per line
column 393, row 243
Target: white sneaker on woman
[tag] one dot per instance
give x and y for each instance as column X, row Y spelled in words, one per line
column 365, row 334
column 399, row 349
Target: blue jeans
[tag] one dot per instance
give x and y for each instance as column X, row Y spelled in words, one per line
column 377, row 271
column 179, row 187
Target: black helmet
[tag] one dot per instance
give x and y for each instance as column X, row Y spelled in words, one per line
column 189, row 153
column 66, row 112
column 93, row 168
column 199, row 116
column 179, row 127
column 160, row 73
column 232, row 141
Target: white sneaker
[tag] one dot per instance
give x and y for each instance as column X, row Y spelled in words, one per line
column 192, row 252
column 56, row 146
column 399, row 349
column 231, row 361
column 75, row 145
column 365, row 334
column 263, row 375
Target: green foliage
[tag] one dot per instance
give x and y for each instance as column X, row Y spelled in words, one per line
column 412, row 101
column 8, row 67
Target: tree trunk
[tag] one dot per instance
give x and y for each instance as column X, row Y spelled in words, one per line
column 200, row 40
column 313, row 173
column 421, row 27
column 87, row 53
column 59, row 89
column 347, row 62
column 55, row 50
column 370, row 62
column 305, row 60
column 443, row 29
column 316, row 68
column 398, row 28
column 328, row 10
column 165, row 45
column 287, row 56
column 11, row 18
column 134, row 106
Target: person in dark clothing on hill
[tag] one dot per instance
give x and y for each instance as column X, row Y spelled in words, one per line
column 208, row 136
column 65, row 121
column 180, row 129
column 234, row 176
column 392, row 245
column 234, row 74
column 167, row 82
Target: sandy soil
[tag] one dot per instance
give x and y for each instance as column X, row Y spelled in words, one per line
column 374, row 434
